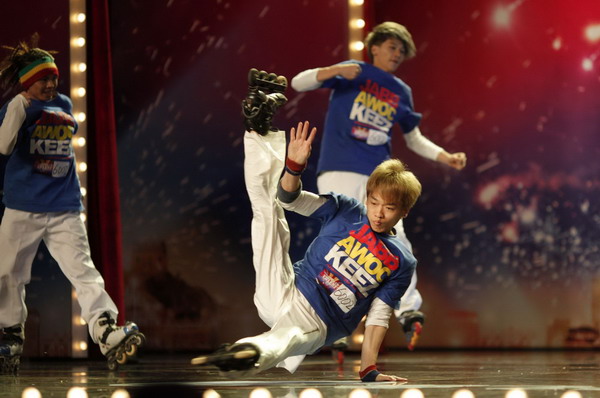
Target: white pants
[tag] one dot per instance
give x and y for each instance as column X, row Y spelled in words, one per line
column 296, row 330
column 66, row 238
column 355, row 185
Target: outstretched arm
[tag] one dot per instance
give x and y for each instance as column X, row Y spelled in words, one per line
column 299, row 149
column 374, row 335
column 312, row 78
column 421, row 145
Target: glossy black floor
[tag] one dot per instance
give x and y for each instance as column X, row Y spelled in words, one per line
column 506, row 374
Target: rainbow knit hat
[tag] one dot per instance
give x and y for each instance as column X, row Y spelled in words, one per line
column 36, row 70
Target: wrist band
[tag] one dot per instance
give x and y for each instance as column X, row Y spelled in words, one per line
column 292, row 172
column 369, row 374
column 294, row 168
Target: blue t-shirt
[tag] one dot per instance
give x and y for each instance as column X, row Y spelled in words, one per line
column 40, row 175
column 371, row 103
column 348, row 265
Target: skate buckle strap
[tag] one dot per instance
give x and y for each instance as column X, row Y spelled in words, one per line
column 369, row 374
column 294, row 168
column 106, row 320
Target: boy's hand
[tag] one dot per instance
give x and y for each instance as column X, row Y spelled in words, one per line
column 300, row 144
column 384, row 377
column 349, row 71
column 457, row 160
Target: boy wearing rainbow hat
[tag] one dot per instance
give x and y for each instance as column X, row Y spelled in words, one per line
column 42, row 196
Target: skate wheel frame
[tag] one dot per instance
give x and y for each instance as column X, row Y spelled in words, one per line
column 267, row 80
column 10, row 365
column 127, row 350
column 215, row 359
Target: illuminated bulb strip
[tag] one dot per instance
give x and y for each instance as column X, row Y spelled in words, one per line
column 357, row 45
column 79, row 41
column 356, row 24
column 78, row 90
column 31, row 392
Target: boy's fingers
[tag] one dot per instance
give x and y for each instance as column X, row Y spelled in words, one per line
column 312, row 135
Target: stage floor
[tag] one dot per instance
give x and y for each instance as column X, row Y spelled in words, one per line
column 490, row 374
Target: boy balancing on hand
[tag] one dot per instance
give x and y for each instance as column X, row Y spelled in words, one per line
column 356, row 266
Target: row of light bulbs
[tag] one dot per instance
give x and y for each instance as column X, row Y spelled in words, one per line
column 78, row 95
column 356, row 26
column 79, row 92
column 261, row 392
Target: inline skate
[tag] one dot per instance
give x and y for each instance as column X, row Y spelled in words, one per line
column 119, row 344
column 265, row 96
column 11, row 348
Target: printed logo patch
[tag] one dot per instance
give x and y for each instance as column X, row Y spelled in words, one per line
column 344, row 298
column 52, row 168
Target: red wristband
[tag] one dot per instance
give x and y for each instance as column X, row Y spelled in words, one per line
column 367, row 370
column 295, row 167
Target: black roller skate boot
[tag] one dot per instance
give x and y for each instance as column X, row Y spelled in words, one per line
column 118, row 343
column 265, row 96
column 11, row 348
column 412, row 324
column 231, row 358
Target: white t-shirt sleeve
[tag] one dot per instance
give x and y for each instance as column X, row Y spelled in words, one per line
column 13, row 120
column 306, row 80
column 421, row 145
column 379, row 313
column 306, row 203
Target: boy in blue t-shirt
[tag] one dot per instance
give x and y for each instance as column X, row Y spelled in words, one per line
column 42, row 196
column 366, row 101
column 356, row 266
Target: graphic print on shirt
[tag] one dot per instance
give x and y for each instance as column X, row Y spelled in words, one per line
column 50, row 143
column 357, row 264
column 373, row 113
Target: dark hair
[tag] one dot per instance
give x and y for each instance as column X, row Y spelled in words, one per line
column 390, row 30
column 19, row 57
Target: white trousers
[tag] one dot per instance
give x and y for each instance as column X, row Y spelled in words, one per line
column 66, row 238
column 355, row 185
column 296, row 330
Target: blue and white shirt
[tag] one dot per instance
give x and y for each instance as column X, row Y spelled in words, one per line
column 348, row 265
column 360, row 117
column 40, row 174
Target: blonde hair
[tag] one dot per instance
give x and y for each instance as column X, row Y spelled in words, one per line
column 390, row 30
column 395, row 183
